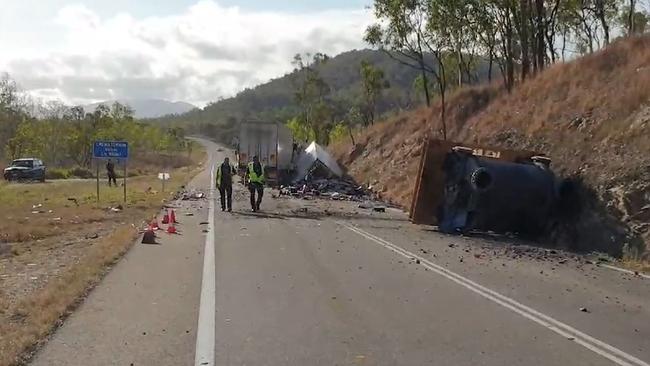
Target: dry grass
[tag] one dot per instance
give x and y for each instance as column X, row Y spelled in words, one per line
column 69, row 266
column 591, row 116
column 387, row 155
column 36, row 315
column 636, row 265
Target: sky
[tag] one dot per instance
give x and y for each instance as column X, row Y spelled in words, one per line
column 181, row 50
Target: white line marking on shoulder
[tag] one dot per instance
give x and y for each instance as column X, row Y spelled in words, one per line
column 205, row 334
column 624, row 270
column 597, row 346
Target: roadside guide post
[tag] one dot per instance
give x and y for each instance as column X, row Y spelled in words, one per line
column 97, row 165
column 163, row 177
column 125, row 178
column 111, row 150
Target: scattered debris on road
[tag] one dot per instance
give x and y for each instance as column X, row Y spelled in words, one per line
column 191, row 195
column 336, row 189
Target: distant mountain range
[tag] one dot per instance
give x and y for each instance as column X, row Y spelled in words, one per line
column 275, row 99
column 148, row 108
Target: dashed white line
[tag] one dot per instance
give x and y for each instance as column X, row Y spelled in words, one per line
column 205, row 334
column 597, row 346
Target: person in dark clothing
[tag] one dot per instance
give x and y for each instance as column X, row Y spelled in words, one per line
column 255, row 178
column 224, row 184
column 110, row 171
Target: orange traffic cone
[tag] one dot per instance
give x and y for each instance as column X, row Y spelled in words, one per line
column 172, row 217
column 171, row 229
column 154, row 224
column 165, row 219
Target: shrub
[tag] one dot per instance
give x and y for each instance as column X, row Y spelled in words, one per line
column 56, row 173
column 82, row 173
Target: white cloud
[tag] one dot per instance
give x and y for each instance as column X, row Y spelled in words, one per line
column 208, row 51
column 78, row 17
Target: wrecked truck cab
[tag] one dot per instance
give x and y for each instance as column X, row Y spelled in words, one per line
column 491, row 195
column 472, row 188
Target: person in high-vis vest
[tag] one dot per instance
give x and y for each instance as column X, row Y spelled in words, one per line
column 225, row 172
column 256, row 180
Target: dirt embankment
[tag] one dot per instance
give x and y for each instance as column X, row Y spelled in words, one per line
column 591, row 116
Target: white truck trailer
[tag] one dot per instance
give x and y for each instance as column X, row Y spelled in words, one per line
column 272, row 143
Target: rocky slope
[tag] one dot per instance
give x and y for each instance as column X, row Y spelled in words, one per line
column 591, row 116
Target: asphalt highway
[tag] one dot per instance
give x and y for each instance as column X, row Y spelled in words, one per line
column 327, row 283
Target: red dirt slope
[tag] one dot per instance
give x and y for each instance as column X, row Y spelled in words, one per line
column 591, row 116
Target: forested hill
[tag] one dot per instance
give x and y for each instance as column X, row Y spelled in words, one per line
column 275, row 100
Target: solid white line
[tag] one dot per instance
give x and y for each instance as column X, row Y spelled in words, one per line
column 608, row 351
column 205, row 337
column 624, row 270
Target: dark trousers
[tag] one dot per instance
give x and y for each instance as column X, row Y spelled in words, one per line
column 111, row 178
column 259, row 189
column 225, row 190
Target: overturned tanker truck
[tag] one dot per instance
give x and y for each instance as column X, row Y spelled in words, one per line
column 463, row 188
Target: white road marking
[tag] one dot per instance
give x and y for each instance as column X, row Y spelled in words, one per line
column 606, row 350
column 205, row 334
column 624, row 270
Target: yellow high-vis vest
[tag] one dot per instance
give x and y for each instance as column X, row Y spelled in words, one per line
column 253, row 177
column 220, row 174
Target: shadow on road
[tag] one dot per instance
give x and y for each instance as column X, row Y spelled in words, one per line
column 316, row 215
column 277, row 216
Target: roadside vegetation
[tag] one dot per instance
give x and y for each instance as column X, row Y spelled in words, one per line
column 62, row 136
column 56, row 243
column 56, row 239
column 423, row 52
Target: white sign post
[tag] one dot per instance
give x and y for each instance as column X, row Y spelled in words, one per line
column 163, row 177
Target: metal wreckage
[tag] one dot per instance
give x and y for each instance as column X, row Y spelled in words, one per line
column 464, row 188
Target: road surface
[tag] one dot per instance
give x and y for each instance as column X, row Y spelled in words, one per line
column 326, row 283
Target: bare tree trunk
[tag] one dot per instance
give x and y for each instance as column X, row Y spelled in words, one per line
column 600, row 14
column 490, row 63
column 630, row 18
column 425, row 83
column 424, row 72
column 442, row 87
column 541, row 32
column 551, row 31
column 459, row 59
column 588, row 32
column 510, row 65
column 523, row 35
column 564, row 45
column 443, row 113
